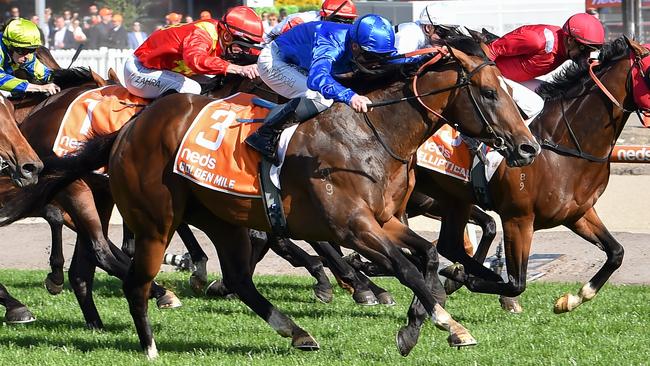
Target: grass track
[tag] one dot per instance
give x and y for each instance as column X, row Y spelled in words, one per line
column 611, row 330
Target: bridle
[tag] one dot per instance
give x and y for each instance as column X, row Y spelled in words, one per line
column 578, row 152
column 4, row 164
column 463, row 81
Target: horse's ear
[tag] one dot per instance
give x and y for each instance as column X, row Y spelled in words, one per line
column 489, row 36
column 98, row 79
column 636, row 47
column 628, row 41
column 112, row 76
column 478, row 36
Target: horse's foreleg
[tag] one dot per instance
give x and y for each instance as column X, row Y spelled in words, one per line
column 235, row 256
column 591, row 228
column 54, row 279
column 128, row 241
column 16, row 313
column 489, row 229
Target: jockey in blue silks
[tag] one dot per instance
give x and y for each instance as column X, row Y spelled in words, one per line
column 300, row 65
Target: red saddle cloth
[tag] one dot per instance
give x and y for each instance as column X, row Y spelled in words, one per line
column 94, row 113
column 213, row 153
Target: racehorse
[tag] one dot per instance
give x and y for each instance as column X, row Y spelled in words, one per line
column 578, row 129
column 20, row 162
column 367, row 158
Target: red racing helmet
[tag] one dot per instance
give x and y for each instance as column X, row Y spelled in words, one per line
column 585, row 28
column 243, row 22
column 338, row 8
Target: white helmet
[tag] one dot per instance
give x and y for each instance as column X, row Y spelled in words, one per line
column 431, row 14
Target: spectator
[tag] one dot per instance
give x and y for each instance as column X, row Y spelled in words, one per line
column 265, row 21
column 594, row 12
column 36, row 20
column 63, row 38
column 67, row 17
column 273, row 20
column 189, row 19
column 173, row 19
column 93, row 10
column 205, row 15
column 137, row 37
column 77, row 32
column 98, row 35
column 118, row 37
column 14, row 12
column 283, row 14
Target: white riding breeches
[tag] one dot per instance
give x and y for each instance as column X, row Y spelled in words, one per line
column 287, row 79
column 523, row 94
column 149, row 83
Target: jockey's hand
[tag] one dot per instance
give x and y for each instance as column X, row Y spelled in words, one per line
column 49, row 89
column 360, row 103
column 248, row 71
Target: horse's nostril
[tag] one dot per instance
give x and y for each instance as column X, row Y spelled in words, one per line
column 526, row 149
column 30, row 169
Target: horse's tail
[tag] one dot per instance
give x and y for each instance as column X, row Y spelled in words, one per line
column 57, row 174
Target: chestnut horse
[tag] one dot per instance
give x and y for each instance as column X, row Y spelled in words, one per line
column 367, row 158
column 578, row 127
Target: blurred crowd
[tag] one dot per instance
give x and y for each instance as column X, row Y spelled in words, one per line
column 101, row 27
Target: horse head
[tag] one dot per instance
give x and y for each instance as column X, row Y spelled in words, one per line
column 479, row 105
column 16, row 155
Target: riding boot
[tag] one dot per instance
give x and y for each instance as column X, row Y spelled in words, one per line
column 265, row 139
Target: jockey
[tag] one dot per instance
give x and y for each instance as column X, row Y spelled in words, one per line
column 300, row 63
column 166, row 59
column 338, row 11
column 425, row 31
column 19, row 41
column 535, row 50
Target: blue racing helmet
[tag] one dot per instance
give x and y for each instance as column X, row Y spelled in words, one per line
column 373, row 34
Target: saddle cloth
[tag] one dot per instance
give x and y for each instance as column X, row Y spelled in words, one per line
column 94, row 113
column 213, row 153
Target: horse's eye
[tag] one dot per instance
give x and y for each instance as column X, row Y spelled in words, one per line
column 489, row 93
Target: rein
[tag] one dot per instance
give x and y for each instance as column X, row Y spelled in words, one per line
column 578, row 152
column 4, row 164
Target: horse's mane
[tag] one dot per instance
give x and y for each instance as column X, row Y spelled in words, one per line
column 68, row 78
column 578, row 74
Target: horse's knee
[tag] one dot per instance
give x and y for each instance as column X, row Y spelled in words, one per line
column 616, row 257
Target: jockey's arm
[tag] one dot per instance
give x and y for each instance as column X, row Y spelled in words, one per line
column 320, row 72
column 197, row 56
column 516, row 43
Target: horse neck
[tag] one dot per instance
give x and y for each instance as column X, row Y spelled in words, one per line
column 403, row 126
column 594, row 119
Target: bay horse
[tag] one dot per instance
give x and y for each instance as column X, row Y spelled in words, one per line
column 22, row 165
column 578, row 126
column 367, row 158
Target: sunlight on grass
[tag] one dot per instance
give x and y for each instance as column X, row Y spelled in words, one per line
column 611, row 329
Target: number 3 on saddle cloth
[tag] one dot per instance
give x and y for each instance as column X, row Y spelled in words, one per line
column 213, row 153
column 95, row 112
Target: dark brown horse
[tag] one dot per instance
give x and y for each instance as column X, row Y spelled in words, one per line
column 22, row 166
column 579, row 126
column 367, row 158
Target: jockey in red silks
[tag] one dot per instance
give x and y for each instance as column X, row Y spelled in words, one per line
column 338, row 11
column 169, row 56
column 535, row 50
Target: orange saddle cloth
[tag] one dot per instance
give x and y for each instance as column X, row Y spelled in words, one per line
column 446, row 152
column 213, row 153
column 94, row 113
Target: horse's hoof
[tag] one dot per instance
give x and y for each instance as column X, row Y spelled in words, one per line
column 168, row 301
column 197, row 284
column 385, row 298
column 305, row 342
column 451, row 286
column 216, row 288
column 95, row 325
column 454, row 272
column 511, row 304
column 324, row 295
column 406, row 339
column 365, row 298
column 20, row 315
column 566, row 303
column 461, row 340
column 52, row 287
